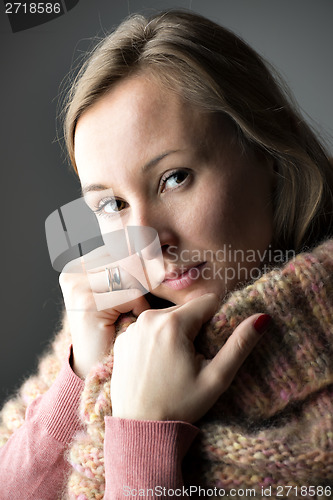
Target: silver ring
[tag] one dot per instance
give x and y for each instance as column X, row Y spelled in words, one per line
column 113, row 277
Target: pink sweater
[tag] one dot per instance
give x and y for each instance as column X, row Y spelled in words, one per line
column 138, row 454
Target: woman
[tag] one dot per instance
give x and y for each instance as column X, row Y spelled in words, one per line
column 176, row 124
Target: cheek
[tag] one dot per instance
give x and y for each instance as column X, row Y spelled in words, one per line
column 224, row 210
column 206, row 218
column 251, row 211
column 236, row 212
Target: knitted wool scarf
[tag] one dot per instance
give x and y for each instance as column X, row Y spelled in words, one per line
column 272, row 431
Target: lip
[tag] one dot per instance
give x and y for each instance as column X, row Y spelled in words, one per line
column 180, row 278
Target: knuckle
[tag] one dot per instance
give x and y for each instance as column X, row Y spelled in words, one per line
column 67, row 280
column 146, row 316
column 243, row 342
column 63, row 279
column 174, row 320
column 74, row 290
column 130, row 330
column 170, row 327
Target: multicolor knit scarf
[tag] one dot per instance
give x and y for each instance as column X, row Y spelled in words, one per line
column 272, row 432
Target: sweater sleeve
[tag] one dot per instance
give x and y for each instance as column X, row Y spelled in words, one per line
column 32, row 462
column 143, row 458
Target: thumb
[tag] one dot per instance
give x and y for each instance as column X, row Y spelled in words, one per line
column 221, row 370
column 137, row 305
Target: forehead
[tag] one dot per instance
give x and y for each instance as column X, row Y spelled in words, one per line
column 140, row 117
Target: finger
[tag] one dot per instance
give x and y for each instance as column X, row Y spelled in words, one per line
column 221, row 370
column 99, row 282
column 140, row 305
column 137, row 306
column 74, row 266
column 196, row 312
column 132, row 268
column 74, row 287
column 122, row 299
column 98, row 257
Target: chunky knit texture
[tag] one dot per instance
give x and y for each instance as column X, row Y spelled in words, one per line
column 274, row 425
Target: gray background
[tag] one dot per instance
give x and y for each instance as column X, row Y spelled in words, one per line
column 295, row 35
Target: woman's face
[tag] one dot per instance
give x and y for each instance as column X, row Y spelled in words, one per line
column 177, row 169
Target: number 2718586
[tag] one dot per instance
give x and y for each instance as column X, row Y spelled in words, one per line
column 33, row 8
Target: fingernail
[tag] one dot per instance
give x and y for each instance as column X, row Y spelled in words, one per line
column 262, row 323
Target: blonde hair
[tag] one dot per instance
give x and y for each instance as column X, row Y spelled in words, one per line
column 213, row 68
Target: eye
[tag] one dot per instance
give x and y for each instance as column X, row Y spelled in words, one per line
column 174, row 179
column 110, row 206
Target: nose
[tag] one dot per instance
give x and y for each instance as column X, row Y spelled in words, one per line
column 147, row 222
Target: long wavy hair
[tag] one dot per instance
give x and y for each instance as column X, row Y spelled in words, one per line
column 214, row 69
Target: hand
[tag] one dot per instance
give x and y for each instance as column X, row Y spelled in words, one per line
column 157, row 373
column 93, row 330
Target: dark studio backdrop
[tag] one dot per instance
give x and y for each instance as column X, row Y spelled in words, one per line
column 296, row 36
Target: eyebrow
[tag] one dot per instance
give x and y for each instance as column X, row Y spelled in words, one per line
column 93, row 187
column 145, row 168
column 152, row 163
